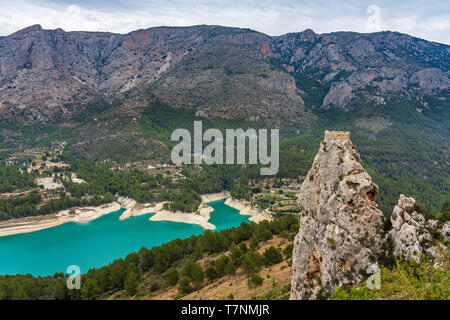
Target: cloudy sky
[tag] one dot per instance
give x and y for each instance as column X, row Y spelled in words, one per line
column 425, row 19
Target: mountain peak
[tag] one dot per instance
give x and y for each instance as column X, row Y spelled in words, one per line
column 33, row 28
column 309, row 31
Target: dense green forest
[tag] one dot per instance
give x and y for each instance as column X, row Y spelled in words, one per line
column 404, row 151
column 24, row 206
column 14, row 177
column 170, row 264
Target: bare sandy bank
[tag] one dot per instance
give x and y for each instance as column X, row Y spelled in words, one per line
column 210, row 197
column 200, row 217
column 134, row 209
column 30, row 224
column 245, row 208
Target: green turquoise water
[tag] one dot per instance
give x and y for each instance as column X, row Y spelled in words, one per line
column 98, row 242
column 225, row 217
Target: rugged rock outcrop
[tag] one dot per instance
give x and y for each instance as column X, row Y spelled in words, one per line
column 411, row 232
column 341, row 228
column 445, row 231
column 343, row 234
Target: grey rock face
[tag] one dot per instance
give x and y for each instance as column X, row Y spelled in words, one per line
column 341, row 227
column 411, row 231
column 430, row 79
column 340, row 94
column 446, row 231
column 375, row 67
column 46, row 75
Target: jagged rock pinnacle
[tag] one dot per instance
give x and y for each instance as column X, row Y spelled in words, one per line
column 341, row 228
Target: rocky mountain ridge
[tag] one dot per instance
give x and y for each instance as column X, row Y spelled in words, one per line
column 53, row 75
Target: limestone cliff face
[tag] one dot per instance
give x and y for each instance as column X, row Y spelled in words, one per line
column 49, row 75
column 411, row 232
column 341, row 228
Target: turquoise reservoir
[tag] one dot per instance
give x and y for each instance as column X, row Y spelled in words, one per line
column 99, row 242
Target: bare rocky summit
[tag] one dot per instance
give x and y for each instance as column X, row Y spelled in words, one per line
column 340, row 223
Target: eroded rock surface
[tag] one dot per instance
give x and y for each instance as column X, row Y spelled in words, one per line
column 341, row 228
column 411, row 232
column 49, row 75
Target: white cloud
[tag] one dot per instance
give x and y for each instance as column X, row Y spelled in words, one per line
column 271, row 17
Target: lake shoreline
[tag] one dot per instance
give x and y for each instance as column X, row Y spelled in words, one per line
column 202, row 215
column 132, row 209
column 245, row 208
column 36, row 223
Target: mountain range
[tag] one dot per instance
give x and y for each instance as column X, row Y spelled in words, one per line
column 118, row 96
column 49, row 75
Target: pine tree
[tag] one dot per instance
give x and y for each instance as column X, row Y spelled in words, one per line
column 20, row 295
column 90, row 289
column 131, row 283
column 272, row 256
column 185, row 286
column 198, row 250
column 255, row 281
column 172, row 277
